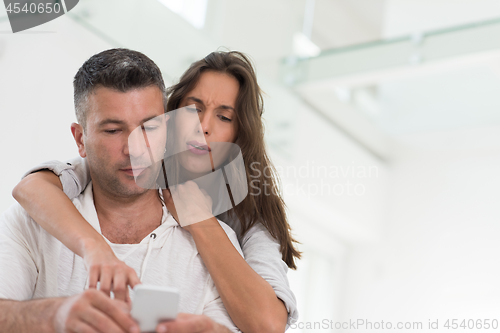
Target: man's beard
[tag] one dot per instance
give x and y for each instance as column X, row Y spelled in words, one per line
column 108, row 178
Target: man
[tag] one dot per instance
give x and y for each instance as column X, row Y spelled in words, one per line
column 42, row 283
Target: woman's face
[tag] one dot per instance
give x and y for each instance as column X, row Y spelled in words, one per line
column 214, row 98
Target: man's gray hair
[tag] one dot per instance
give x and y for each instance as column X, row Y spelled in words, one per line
column 118, row 69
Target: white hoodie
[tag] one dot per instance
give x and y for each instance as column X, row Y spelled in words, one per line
column 34, row 264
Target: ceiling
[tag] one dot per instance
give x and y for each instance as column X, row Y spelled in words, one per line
column 377, row 87
column 391, row 91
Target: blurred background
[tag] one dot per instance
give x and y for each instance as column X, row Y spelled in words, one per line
column 382, row 117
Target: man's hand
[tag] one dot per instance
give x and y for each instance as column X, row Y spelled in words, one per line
column 190, row 323
column 94, row 312
column 111, row 273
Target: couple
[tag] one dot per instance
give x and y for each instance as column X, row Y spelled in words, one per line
column 117, row 91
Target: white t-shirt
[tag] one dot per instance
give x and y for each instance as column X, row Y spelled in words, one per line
column 34, row 264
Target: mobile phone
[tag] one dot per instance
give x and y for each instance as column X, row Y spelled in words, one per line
column 153, row 304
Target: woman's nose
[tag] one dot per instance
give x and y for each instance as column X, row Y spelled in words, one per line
column 205, row 121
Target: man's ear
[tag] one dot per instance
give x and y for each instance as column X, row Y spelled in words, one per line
column 77, row 131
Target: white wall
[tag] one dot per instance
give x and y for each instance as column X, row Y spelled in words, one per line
column 329, row 212
column 340, row 23
column 417, row 16
column 36, row 96
column 437, row 257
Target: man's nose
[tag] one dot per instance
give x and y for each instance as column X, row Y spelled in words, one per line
column 136, row 143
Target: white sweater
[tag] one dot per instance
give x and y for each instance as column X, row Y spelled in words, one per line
column 34, row 264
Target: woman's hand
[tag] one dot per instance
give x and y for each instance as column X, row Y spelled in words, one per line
column 188, row 203
column 111, row 273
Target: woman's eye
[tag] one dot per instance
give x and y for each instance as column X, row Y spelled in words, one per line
column 224, row 118
column 150, row 128
column 193, row 109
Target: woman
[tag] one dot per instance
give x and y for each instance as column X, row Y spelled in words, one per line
column 254, row 290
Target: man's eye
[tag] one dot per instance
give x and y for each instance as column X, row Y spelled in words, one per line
column 111, row 131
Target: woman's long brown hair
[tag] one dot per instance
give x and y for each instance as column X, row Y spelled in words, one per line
column 264, row 205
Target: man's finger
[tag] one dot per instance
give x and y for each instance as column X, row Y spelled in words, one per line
column 116, row 311
column 123, row 306
column 128, row 301
column 82, row 327
column 101, row 322
column 187, row 324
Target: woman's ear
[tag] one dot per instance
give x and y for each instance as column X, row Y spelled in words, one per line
column 77, row 131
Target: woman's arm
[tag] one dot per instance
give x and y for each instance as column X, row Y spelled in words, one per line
column 249, row 299
column 262, row 253
column 41, row 195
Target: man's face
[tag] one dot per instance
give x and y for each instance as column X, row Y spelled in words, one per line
column 109, row 146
